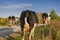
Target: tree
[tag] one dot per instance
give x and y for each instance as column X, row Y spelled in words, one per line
column 54, row 15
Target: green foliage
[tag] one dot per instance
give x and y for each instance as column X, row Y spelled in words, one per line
column 54, row 34
column 49, row 32
column 16, row 38
column 54, row 14
column 40, row 31
column 3, row 21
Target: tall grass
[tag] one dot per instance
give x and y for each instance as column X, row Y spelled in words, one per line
column 48, row 32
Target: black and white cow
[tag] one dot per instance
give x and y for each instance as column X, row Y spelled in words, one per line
column 28, row 20
column 46, row 18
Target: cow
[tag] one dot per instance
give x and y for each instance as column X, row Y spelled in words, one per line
column 29, row 21
column 46, row 18
column 49, row 18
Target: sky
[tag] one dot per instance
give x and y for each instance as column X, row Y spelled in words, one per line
column 15, row 7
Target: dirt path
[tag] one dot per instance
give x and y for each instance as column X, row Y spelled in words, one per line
column 5, row 31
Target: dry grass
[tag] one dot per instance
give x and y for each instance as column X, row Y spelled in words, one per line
column 50, row 32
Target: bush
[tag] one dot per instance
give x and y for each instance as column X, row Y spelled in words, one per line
column 3, row 21
column 54, row 14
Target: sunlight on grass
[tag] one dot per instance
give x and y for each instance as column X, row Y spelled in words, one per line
column 44, row 33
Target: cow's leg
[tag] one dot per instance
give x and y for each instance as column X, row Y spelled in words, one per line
column 46, row 21
column 26, row 31
column 22, row 34
column 27, row 28
column 23, row 37
column 30, row 35
column 32, row 32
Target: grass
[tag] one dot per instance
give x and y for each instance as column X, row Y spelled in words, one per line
column 49, row 32
column 38, row 33
column 15, row 38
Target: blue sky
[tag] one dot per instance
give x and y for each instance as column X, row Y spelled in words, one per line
column 15, row 7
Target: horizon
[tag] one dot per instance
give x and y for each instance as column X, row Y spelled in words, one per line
column 15, row 7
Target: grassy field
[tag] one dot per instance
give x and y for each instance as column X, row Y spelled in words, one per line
column 48, row 32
